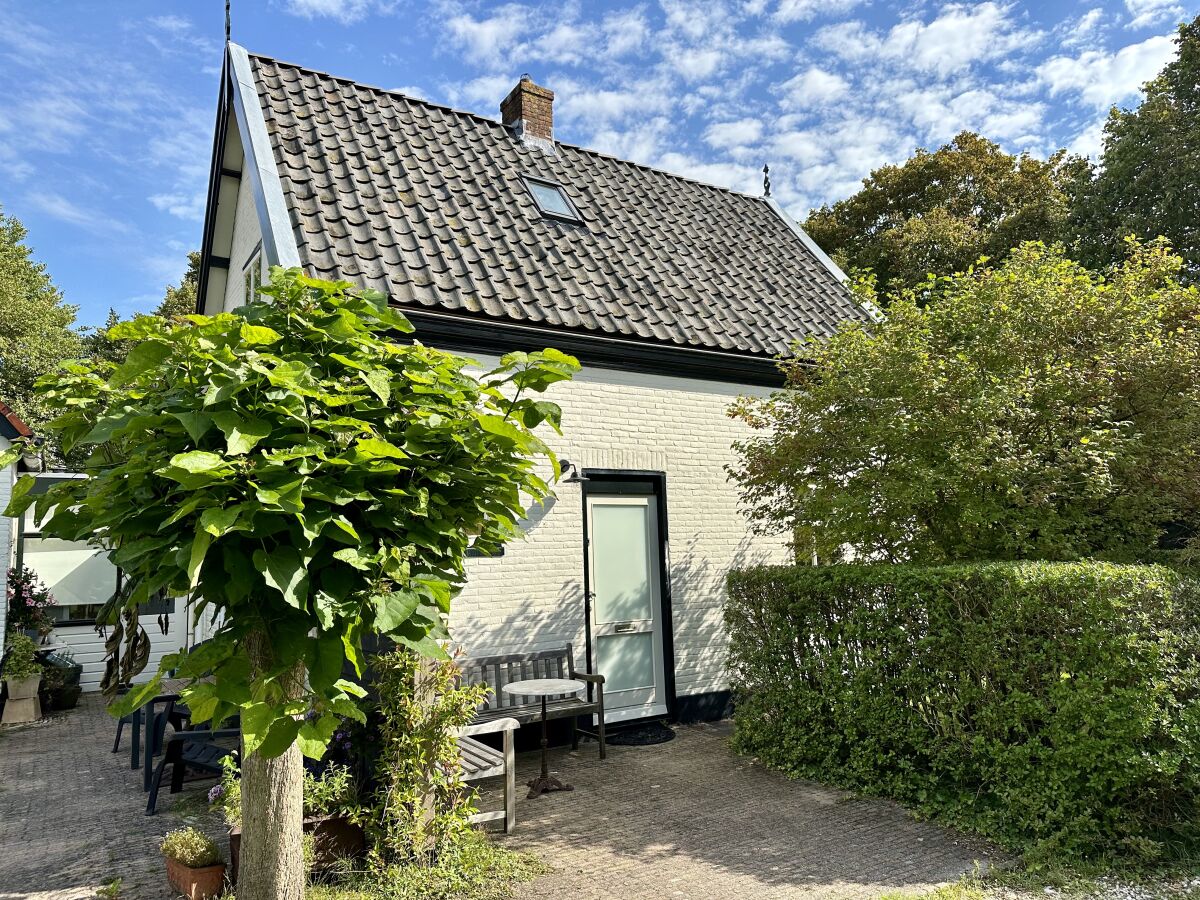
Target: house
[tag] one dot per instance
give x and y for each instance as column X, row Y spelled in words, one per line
column 80, row 577
column 493, row 236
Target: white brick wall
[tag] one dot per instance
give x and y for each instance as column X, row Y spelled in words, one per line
column 532, row 596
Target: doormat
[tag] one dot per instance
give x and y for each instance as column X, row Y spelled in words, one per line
column 640, row 735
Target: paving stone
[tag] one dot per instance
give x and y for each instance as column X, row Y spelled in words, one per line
column 683, row 819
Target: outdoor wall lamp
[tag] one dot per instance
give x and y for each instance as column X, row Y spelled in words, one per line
column 574, row 477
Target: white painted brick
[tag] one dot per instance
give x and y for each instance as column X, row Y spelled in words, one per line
column 533, row 595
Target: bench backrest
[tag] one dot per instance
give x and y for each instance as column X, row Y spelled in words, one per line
column 497, row 671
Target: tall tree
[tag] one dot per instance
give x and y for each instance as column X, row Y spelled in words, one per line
column 181, row 300
column 1148, row 183
column 309, row 481
column 1033, row 410
column 940, row 211
column 36, row 327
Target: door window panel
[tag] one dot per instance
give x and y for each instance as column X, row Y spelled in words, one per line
column 622, row 562
column 627, row 661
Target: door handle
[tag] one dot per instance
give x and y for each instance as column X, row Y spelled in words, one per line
column 623, row 627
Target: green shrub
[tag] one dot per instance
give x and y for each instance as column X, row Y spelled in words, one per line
column 21, row 662
column 422, row 808
column 1051, row 706
column 192, row 848
column 332, row 792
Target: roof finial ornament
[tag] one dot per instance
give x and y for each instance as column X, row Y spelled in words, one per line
column 227, row 30
column 766, row 181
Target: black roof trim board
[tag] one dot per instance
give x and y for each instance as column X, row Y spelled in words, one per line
column 712, row 292
column 468, row 335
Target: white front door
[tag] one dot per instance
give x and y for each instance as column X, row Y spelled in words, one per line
column 626, row 607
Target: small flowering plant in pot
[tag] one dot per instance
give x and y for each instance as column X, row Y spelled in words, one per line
column 195, row 867
column 29, row 602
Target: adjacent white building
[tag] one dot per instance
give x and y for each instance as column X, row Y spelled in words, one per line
column 492, row 236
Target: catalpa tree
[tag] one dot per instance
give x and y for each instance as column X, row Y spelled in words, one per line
column 307, row 480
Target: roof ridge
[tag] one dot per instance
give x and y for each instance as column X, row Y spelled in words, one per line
column 495, row 124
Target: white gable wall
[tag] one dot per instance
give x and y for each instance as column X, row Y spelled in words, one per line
column 247, row 240
column 532, row 596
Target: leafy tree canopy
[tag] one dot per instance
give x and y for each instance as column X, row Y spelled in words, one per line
column 36, row 328
column 1149, row 182
column 1034, row 410
column 306, row 479
column 941, row 211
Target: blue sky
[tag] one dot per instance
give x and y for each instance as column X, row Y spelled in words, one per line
column 106, row 117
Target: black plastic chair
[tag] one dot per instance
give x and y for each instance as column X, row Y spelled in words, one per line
column 200, row 750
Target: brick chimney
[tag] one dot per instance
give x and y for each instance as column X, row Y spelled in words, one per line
column 529, row 109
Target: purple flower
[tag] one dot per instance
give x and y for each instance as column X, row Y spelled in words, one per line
column 216, row 793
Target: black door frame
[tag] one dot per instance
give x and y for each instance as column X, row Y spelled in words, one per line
column 615, row 483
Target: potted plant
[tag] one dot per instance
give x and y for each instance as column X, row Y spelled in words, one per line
column 195, row 867
column 29, row 602
column 22, row 675
column 60, row 680
column 330, row 813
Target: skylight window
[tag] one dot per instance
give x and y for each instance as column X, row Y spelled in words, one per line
column 551, row 199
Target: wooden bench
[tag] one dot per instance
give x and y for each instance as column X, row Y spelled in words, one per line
column 497, row 671
column 479, row 761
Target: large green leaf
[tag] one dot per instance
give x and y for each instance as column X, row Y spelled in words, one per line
column 242, row 433
column 141, row 358
column 284, row 570
column 199, row 462
column 394, row 609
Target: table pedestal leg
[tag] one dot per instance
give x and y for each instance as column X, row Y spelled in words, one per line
column 544, row 783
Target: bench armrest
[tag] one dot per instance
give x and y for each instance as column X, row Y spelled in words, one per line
column 205, row 736
column 588, row 677
column 489, row 727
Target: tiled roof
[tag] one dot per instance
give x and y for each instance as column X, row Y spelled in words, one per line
column 10, row 425
column 427, row 205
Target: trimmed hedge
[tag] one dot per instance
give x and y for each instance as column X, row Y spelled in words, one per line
column 1051, row 706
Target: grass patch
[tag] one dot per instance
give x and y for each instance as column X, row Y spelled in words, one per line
column 478, row 870
column 969, row 888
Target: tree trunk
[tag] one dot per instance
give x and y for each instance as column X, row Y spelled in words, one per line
column 271, row 865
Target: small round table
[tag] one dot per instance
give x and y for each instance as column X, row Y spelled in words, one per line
column 544, row 687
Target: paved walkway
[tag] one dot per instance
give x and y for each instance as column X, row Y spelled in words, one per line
column 690, row 819
column 682, row 819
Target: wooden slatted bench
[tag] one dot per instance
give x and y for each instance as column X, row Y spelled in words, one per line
column 479, row 761
column 497, row 671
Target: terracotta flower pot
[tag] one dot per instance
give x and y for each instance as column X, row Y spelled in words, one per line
column 196, row 884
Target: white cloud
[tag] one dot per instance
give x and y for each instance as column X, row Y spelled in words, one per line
column 67, row 211
column 1083, row 30
column 625, row 32
column 804, row 10
column 957, row 38
column 1101, row 78
column 344, row 11
column 1143, row 13
column 813, row 88
column 183, row 206
column 725, row 135
column 1089, row 141
column 489, row 39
